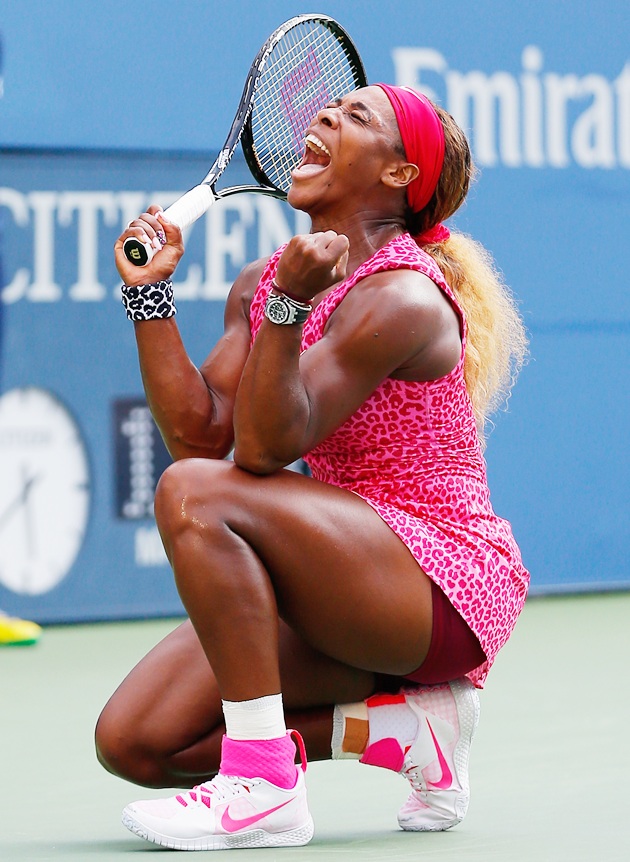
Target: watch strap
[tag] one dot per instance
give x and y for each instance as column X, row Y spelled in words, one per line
column 294, row 311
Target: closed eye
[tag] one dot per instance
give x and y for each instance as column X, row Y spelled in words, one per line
column 363, row 115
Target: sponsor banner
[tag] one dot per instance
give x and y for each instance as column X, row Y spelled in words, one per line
column 546, row 106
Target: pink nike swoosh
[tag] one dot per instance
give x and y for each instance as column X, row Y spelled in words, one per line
column 447, row 776
column 231, row 825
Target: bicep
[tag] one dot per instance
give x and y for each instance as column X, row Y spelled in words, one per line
column 337, row 383
column 383, row 331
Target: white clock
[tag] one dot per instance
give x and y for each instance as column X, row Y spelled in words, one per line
column 44, row 490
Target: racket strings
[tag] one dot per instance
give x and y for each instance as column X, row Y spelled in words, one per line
column 307, row 68
column 310, row 74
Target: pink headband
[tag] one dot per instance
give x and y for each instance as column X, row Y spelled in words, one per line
column 422, row 135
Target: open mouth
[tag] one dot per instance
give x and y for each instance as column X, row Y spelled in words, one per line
column 316, row 155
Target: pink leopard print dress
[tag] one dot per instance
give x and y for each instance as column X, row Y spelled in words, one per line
column 412, row 452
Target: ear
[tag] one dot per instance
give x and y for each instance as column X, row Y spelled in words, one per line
column 400, row 175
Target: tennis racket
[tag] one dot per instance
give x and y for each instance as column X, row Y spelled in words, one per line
column 306, row 63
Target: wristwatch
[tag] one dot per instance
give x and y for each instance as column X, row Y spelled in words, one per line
column 283, row 310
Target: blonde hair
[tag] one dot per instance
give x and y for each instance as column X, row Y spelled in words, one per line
column 497, row 343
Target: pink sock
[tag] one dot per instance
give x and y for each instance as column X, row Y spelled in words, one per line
column 271, row 759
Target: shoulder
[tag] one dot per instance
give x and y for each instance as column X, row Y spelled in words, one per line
column 250, row 275
column 399, row 296
column 404, row 270
column 403, row 316
column 242, row 292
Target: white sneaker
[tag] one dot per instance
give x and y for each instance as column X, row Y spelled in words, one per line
column 436, row 764
column 226, row 813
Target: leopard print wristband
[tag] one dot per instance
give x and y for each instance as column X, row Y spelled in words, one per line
column 149, row 301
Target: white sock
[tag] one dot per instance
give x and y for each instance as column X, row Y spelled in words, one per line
column 395, row 720
column 261, row 718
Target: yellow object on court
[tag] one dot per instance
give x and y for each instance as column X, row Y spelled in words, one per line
column 16, row 632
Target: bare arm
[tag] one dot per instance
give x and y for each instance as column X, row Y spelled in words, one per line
column 391, row 324
column 193, row 407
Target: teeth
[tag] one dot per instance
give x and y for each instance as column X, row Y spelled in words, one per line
column 316, row 145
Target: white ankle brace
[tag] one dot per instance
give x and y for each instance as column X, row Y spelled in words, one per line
column 260, row 718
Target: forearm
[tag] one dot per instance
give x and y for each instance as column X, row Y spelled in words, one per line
column 180, row 401
column 192, row 407
column 272, row 408
column 274, row 417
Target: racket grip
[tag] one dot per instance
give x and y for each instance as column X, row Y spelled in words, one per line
column 184, row 212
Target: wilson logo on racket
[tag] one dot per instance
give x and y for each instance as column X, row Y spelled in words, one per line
column 306, row 63
column 303, row 93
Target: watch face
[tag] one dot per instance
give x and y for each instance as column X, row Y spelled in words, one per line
column 44, row 492
column 277, row 311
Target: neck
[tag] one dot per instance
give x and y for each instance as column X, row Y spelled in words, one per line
column 366, row 234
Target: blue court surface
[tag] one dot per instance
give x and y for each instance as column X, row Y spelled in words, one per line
column 549, row 763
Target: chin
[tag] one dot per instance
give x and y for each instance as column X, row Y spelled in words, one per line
column 297, row 201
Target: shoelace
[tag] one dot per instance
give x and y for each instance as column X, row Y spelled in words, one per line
column 221, row 787
column 413, row 774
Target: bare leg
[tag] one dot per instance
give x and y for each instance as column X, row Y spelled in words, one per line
column 163, row 725
column 246, row 550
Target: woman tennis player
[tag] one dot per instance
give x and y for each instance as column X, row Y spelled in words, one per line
column 363, row 606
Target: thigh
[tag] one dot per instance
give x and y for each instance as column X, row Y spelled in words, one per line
column 170, row 699
column 343, row 579
column 163, row 726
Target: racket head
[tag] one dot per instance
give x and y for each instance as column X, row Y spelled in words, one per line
column 306, row 63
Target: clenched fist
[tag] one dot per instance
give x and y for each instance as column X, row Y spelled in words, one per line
column 312, row 262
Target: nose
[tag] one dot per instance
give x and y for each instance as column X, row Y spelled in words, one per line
column 328, row 116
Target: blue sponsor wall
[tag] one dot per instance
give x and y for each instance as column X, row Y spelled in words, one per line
column 99, row 117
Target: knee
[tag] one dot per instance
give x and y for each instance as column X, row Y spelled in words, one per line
column 108, row 738
column 174, row 487
column 186, row 495
column 122, row 753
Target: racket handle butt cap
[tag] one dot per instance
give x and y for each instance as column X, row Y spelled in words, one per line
column 136, row 252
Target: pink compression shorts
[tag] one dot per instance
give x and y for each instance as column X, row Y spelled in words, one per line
column 454, row 649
